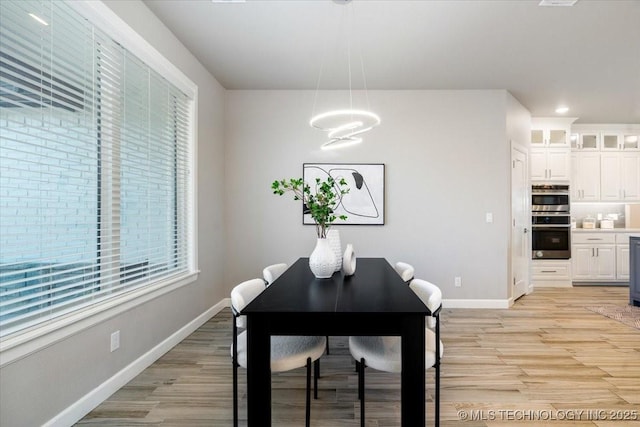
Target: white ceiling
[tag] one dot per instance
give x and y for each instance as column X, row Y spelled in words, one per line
column 586, row 56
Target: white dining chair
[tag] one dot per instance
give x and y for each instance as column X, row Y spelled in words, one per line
column 287, row 352
column 384, row 353
column 272, row 272
column 405, row 270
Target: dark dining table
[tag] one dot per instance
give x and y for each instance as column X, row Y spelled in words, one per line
column 373, row 301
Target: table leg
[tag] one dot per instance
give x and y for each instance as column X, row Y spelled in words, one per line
column 258, row 372
column 413, row 371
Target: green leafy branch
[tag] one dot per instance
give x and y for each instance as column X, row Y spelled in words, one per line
column 321, row 202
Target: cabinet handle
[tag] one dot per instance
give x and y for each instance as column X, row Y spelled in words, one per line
column 597, row 252
column 592, row 252
column 594, row 238
column 548, row 271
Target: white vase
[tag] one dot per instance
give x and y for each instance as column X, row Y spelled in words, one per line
column 333, row 236
column 349, row 261
column 322, row 261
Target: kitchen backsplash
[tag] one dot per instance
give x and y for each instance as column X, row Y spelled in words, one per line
column 580, row 211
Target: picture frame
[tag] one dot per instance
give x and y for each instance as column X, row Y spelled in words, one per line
column 364, row 203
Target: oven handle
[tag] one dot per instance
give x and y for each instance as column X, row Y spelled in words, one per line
column 535, row 226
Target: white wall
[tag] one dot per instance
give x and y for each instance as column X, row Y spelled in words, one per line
column 447, row 159
column 36, row 388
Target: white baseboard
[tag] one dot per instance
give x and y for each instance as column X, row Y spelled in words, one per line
column 88, row 402
column 476, row 303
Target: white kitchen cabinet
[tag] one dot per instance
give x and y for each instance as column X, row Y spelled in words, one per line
column 593, row 257
column 550, row 164
column 622, row 262
column 617, row 178
column 622, row 256
column 585, row 176
column 630, row 176
column 630, row 141
column 619, row 141
column 538, row 167
column 550, row 149
column 549, row 137
column 594, row 262
column 620, row 176
column 551, row 273
column 587, row 141
column 610, row 141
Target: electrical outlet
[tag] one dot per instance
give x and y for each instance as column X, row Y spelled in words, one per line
column 457, row 281
column 489, row 217
column 115, row 341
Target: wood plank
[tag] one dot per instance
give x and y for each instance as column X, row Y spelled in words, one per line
column 546, row 353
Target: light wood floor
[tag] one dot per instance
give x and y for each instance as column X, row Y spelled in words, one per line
column 546, row 359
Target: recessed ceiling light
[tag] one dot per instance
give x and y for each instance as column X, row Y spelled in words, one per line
column 557, row 2
column 562, row 110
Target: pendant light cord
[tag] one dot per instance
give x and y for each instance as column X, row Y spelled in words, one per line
column 315, row 96
column 349, row 58
column 359, row 47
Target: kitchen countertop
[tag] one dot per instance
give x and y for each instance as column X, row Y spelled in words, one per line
column 605, row 230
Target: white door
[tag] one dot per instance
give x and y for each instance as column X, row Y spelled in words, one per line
column 520, row 219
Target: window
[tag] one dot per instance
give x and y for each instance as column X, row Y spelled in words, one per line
column 96, row 158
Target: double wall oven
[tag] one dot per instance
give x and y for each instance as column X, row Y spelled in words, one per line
column 550, row 222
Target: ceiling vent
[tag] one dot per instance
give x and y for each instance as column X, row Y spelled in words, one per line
column 557, row 2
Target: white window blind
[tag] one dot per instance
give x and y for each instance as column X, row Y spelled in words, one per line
column 95, row 159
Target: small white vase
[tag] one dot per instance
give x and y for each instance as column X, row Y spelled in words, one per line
column 333, row 236
column 349, row 261
column 322, row 261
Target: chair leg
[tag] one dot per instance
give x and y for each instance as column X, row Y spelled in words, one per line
column 437, row 373
column 308, row 405
column 437, row 397
column 358, row 372
column 361, row 387
column 235, row 395
column 234, row 360
column 316, row 375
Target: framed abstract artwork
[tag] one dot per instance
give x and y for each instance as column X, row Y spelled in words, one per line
column 364, row 203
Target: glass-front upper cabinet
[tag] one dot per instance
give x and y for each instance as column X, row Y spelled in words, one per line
column 549, row 137
column 610, row 141
column 617, row 141
column 630, row 141
column 557, row 137
column 575, row 141
column 589, row 141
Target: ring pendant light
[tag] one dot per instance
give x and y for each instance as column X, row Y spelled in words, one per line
column 344, row 126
